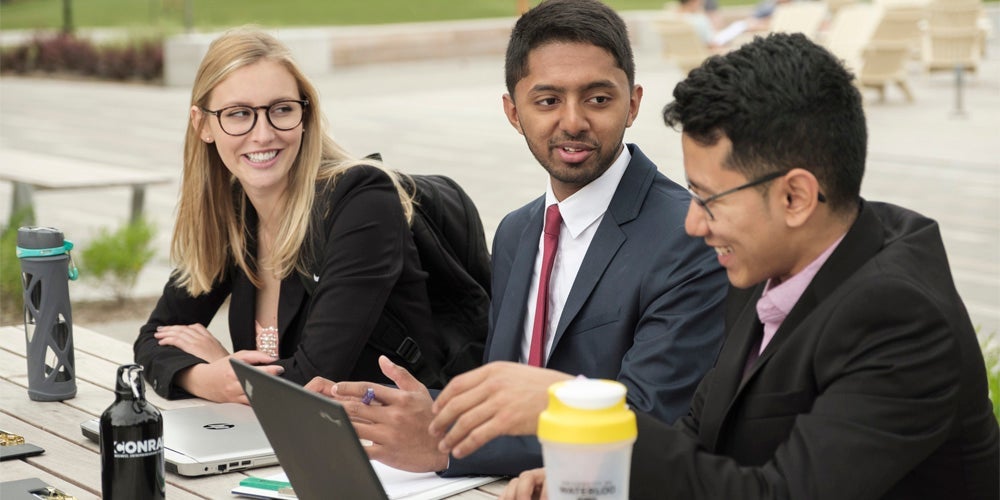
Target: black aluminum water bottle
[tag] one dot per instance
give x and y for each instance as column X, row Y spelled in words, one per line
column 131, row 442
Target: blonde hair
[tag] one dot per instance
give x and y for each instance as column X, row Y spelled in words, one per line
column 211, row 230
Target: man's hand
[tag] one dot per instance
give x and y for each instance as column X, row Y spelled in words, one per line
column 395, row 421
column 497, row 399
column 320, row 385
column 217, row 382
column 193, row 339
column 530, row 485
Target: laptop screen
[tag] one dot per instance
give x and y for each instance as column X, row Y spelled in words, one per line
column 312, row 436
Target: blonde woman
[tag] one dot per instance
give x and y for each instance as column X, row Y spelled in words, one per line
column 269, row 200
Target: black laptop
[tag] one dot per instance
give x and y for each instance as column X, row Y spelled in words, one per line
column 312, row 436
column 321, row 454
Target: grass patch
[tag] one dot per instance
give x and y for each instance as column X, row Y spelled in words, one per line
column 169, row 15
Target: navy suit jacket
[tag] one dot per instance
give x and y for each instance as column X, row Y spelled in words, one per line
column 645, row 308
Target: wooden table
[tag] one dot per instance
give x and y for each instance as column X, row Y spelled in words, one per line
column 72, row 462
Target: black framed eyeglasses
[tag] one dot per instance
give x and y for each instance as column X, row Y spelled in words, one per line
column 703, row 202
column 240, row 120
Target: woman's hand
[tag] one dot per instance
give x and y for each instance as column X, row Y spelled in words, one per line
column 217, row 382
column 194, row 339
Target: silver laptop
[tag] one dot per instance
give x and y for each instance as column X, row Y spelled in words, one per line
column 209, row 439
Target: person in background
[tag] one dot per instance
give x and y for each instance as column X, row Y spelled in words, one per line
column 850, row 369
column 711, row 8
column 714, row 36
column 694, row 13
column 264, row 185
column 629, row 296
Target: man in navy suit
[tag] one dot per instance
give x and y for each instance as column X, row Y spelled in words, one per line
column 850, row 368
column 630, row 296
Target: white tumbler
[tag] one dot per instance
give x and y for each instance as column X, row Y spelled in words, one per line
column 587, row 434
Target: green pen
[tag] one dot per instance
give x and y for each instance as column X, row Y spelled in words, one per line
column 282, row 487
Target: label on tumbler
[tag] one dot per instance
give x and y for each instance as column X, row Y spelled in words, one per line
column 587, row 434
column 131, row 442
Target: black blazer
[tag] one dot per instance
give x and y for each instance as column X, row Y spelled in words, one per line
column 645, row 308
column 368, row 279
column 873, row 387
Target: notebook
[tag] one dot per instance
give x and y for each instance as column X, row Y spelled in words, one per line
column 209, row 439
column 320, row 452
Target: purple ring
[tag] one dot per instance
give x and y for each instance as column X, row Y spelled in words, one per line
column 369, row 396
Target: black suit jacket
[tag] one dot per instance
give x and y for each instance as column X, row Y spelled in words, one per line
column 872, row 387
column 645, row 307
column 368, row 280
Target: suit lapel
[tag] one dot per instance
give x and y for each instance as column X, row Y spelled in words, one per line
column 244, row 296
column 862, row 241
column 624, row 207
column 509, row 328
column 729, row 377
column 290, row 298
column 243, row 307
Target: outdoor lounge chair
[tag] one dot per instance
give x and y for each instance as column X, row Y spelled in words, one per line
column 681, row 43
column 954, row 36
column 804, row 17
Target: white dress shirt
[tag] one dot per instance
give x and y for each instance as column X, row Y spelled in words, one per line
column 581, row 215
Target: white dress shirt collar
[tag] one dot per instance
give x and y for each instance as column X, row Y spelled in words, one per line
column 585, row 206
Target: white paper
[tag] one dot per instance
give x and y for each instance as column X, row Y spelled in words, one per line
column 398, row 484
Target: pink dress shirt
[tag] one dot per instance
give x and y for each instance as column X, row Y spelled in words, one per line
column 777, row 301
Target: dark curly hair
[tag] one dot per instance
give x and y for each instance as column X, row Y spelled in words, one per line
column 784, row 102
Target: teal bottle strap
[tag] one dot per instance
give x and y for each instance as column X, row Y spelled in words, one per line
column 74, row 273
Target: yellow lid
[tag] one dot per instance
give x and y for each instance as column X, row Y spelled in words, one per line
column 587, row 411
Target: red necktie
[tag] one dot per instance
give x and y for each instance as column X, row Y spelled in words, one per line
column 552, row 222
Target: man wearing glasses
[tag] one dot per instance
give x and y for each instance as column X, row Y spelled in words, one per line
column 850, row 368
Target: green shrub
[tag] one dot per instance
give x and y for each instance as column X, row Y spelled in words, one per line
column 11, row 302
column 115, row 259
column 138, row 59
column 991, row 353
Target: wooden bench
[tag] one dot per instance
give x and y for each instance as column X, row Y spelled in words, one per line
column 29, row 171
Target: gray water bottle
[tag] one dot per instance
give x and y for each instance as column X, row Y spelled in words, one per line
column 46, row 268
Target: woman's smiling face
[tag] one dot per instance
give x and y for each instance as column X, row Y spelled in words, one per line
column 262, row 158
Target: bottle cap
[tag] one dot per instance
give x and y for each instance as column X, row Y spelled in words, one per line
column 587, row 411
column 34, row 241
column 39, row 238
column 128, row 382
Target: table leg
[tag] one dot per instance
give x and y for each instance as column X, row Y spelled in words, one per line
column 22, row 201
column 138, row 200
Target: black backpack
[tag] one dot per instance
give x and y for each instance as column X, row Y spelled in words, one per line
column 451, row 243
